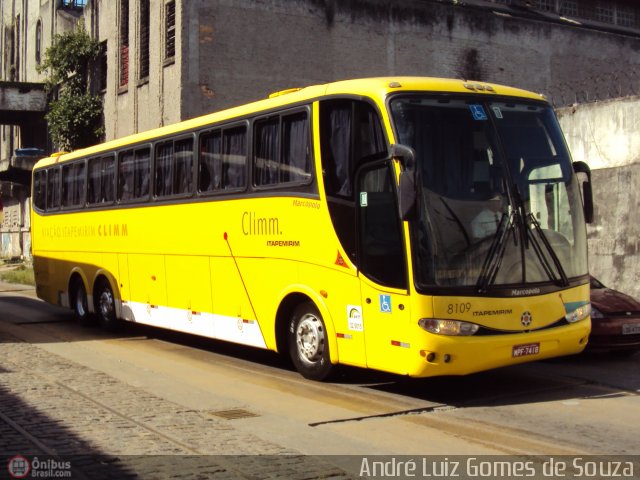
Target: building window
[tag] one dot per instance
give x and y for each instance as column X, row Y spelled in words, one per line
column 16, row 63
column 124, row 43
column 626, row 16
column 547, row 5
column 143, row 59
column 569, row 8
column 170, row 30
column 74, row 3
column 604, row 13
column 102, row 67
column 38, row 42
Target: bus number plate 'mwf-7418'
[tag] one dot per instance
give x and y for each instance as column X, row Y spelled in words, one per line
column 525, row 349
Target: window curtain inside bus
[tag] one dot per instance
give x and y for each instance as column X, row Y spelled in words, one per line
column 164, row 156
column 266, row 161
column 53, row 188
column 101, row 180
column 296, row 161
column 210, row 162
column 340, row 176
column 142, row 172
column 234, row 158
column 183, row 166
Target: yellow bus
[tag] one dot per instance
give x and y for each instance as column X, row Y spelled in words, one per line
column 418, row 226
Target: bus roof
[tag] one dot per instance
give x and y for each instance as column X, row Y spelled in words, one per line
column 378, row 87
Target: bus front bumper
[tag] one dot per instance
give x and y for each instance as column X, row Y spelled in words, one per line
column 462, row 355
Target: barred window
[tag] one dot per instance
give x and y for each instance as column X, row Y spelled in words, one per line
column 604, row 13
column 143, row 59
column 170, row 30
column 626, row 16
column 124, row 42
column 569, row 8
column 547, row 5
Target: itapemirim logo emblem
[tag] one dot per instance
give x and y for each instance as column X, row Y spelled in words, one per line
column 19, row 467
column 526, row 319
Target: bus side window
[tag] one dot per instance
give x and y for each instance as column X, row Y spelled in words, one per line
column 282, row 152
column 266, row 165
column 183, row 169
column 142, row 173
column 125, row 176
column 210, row 164
column 350, row 134
column 53, row 188
column 173, row 173
column 40, row 190
column 234, row 158
column 381, row 250
column 163, row 174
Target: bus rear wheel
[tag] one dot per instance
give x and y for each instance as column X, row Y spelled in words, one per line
column 106, row 306
column 79, row 303
column 308, row 345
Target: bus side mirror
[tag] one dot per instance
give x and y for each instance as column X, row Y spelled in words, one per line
column 407, row 188
column 587, row 193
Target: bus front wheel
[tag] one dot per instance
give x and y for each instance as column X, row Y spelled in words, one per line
column 106, row 305
column 308, row 345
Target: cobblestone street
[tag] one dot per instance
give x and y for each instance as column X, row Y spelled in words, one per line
column 58, row 409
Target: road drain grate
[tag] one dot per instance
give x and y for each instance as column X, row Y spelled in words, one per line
column 234, row 414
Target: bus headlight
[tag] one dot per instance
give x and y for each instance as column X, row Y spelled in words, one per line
column 579, row 313
column 448, row 327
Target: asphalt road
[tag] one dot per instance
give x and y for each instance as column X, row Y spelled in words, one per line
column 582, row 405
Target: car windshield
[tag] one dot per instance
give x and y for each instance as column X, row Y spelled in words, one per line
column 498, row 203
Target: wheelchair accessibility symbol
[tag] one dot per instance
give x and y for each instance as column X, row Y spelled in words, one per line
column 385, row 303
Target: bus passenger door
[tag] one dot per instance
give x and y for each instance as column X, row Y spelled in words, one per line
column 382, row 269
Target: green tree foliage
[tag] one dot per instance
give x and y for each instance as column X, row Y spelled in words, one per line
column 75, row 116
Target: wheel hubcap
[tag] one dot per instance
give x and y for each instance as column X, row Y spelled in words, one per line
column 81, row 303
column 310, row 339
column 106, row 304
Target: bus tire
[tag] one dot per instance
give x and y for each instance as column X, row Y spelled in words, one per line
column 308, row 343
column 79, row 302
column 106, row 306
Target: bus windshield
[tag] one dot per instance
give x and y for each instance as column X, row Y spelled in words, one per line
column 498, row 203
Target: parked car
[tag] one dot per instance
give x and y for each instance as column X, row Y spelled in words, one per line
column 615, row 320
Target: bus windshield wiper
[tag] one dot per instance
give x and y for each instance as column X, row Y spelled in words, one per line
column 529, row 239
column 564, row 281
column 493, row 260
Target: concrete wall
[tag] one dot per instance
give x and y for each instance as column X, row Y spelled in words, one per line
column 241, row 51
column 606, row 135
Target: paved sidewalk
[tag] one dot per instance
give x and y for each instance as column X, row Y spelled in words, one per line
column 52, row 408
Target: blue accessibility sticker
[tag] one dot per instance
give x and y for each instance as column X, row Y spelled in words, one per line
column 385, row 303
column 477, row 111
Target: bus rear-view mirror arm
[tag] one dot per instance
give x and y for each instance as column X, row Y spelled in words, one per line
column 587, row 193
column 407, row 189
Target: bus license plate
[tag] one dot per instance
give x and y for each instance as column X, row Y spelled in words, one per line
column 525, row 349
column 630, row 328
